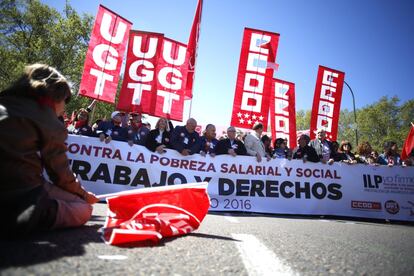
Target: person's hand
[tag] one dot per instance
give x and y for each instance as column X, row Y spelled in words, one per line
column 130, row 143
column 90, row 198
column 108, row 139
column 101, row 137
column 232, row 152
column 268, row 158
column 330, row 161
column 304, row 159
column 160, row 149
column 258, row 157
column 202, row 153
column 185, row 152
column 212, row 154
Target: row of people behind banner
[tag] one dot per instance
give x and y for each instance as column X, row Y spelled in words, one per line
column 187, row 141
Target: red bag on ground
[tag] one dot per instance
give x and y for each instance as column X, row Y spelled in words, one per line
column 154, row 213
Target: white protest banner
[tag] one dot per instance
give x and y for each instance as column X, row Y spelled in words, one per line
column 241, row 183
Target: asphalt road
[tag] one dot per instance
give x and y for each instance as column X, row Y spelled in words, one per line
column 225, row 244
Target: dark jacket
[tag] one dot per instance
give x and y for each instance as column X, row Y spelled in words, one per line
column 224, row 145
column 182, row 139
column 208, row 146
column 31, row 139
column 316, row 144
column 137, row 136
column 151, row 142
column 117, row 133
column 306, row 151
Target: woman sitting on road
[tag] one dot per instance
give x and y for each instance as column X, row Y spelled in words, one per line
column 32, row 140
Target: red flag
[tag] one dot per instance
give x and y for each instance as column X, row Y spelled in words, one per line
column 192, row 47
column 254, row 78
column 282, row 111
column 171, row 74
column 154, row 213
column 104, row 57
column 327, row 102
column 408, row 144
column 155, row 76
column 139, row 87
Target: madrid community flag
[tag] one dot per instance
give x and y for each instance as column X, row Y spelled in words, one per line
column 150, row 214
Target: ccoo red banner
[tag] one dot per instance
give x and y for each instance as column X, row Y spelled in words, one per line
column 327, row 102
column 282, row 111
column 104, row 57
column 254, row 78
column 139, row 84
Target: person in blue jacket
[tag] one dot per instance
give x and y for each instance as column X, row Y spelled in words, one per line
column 185, row 139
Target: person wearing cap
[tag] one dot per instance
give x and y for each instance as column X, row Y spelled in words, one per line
column 323, row 147
column 32, row 141
column 304, row 151
column 254, row 144
column 185, row 139
column 112, row 130
column 137, row 131
column 208, row 141
column 231, row 145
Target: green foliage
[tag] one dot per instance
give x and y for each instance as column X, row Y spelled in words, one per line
column 32, row 32
column 303, row 119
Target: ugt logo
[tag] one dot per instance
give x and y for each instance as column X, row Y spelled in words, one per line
column 372, row 181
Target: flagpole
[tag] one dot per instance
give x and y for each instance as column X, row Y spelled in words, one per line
column 355, row 116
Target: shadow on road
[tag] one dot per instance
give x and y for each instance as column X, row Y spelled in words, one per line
column 208, row 236
column 47, row 246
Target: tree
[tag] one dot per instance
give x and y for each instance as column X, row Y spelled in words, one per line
column 32, row 32
column 303, row 119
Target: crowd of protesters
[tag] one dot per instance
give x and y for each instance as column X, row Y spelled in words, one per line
column 185, row 140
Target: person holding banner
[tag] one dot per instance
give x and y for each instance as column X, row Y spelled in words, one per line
column 112, row 130
column 137, row 131
column 254, row 144
column 231, row 145
column 185, row 139
column 158, row 139
column 304, row 151
column 80, row 125
column 208, row 141
column 345, row 154
column 390, row 156
column 32, row 140
column 323, row 147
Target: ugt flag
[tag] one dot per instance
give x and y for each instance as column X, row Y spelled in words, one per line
column 104, row 57
column 154, row 213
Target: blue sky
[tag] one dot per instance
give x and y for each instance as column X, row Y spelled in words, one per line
column 372, row 41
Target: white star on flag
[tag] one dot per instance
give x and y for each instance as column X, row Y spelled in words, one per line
column 241, row 121
column 249, row 122
column 261, row 118
column 239, row 114
column 254, row 117
column 246, row 115
column 256, row 122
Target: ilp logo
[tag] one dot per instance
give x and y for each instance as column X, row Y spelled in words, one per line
column 372, row 181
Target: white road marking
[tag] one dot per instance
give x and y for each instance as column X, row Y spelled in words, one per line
column 113, row 257
column 230, row 218
column 258, row 259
